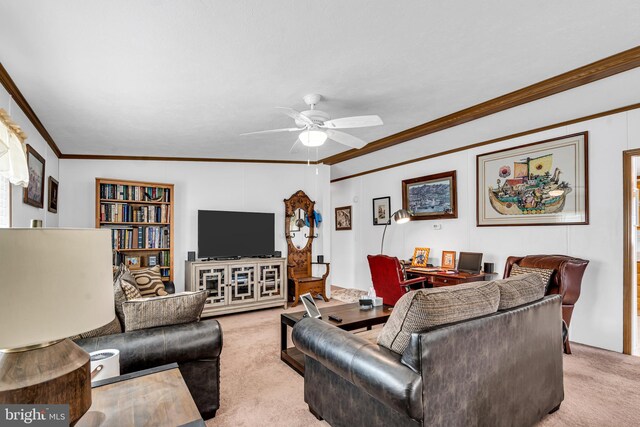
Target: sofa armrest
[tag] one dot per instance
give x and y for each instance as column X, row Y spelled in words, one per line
column 147, row 348
column 375, row 369
column 170, row 287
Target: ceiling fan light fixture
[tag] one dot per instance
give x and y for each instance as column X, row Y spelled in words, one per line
column 313, row 137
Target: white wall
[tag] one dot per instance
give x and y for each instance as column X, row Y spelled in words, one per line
column 597, row 318
column 200, row 185
column 21, row 213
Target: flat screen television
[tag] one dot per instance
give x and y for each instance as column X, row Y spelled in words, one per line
column 230, row 234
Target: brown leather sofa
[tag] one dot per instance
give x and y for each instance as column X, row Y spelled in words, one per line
column 500, row 370
column 566, row 280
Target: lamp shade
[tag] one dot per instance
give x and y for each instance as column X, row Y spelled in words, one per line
column 401, row 216
column 55, row 283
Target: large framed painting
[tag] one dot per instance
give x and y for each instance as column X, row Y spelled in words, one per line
column 544, row 183
column 34, row 193
column 431, row 196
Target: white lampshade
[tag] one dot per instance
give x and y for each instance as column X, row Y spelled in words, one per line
column 54, row 283
column 313, row 138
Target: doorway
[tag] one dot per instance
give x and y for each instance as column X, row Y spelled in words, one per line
column 631, row 224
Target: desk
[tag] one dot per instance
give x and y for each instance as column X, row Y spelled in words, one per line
column 153, row 397
column 438, row 278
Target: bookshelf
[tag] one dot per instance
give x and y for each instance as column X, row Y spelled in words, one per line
column 140, row 217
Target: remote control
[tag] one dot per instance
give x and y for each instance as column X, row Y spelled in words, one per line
column 335, row 318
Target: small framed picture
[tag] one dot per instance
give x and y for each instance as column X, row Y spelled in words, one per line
column 343, row 218
column 53, row 195
column 132, row 261
column 448, row 260
column 420, row 257
column 382, row 211
column 152, row 260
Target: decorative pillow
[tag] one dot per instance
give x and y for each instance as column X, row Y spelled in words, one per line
column 118, row 294
column 545, row 273
column 520, row 289
column 113, row 327
column 425, row 308
column 162, row 311
column 149, row 281
column 130, row 291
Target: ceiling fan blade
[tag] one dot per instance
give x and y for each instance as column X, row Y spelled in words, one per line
column 296, row 115
column 345, row 138
column 272, row 131
column 353, row 122
column 293, row 148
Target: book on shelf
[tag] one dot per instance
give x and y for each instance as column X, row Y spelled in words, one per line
column 120, row 212
column 134, row 193
column 142, row 237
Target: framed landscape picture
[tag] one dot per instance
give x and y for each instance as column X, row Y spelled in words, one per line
column 34, row 193
column 343, row 218
column 382, row 211
column 431, row 196
column 544, row 183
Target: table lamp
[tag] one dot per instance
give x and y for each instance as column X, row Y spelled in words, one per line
column 56, row 283
column 400, row 216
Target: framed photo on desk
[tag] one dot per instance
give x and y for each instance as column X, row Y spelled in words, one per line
column 448, row 260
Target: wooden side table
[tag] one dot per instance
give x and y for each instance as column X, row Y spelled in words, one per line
column 154, row 397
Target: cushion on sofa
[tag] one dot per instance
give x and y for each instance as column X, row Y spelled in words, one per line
column 545, row 273
column 426, row 308
column 113, row 327
column 173, row 309
column 520, row 289
column 130, row 291
column 149, row 281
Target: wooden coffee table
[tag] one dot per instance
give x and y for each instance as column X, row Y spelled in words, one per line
column 352, row 318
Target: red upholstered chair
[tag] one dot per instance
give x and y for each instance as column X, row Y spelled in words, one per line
column 566, row 279
column 388, row 278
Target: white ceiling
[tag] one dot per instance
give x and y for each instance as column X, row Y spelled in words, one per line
column 186, row 77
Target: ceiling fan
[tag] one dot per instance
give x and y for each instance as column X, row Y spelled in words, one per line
column 316, row 126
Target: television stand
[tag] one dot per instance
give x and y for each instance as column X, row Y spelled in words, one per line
column 238, row 284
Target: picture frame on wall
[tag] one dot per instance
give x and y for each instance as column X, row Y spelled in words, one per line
column 448, row 260
column 34, row 194
column 343, row 218
column 431, row 196
column 420, row 257
column 382, row 211
column 53, row 195
column 542, row 183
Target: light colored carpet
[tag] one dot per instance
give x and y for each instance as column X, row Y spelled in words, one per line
column 601, row 388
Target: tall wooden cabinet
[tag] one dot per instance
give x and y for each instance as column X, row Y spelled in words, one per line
column 238, row 285
column 140, row 217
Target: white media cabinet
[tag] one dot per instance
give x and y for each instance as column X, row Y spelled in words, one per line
column 238, row 285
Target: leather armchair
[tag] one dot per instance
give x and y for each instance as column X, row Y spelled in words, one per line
column 566, row 280
column 195, row 347
column 464, row 373
column 388, row 278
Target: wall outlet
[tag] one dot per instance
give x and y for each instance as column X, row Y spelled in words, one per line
column 436, row 226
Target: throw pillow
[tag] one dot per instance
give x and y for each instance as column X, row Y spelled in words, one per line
column 118, row 294
column 520, row 289
column 130, row 291
column 149, row 281
column 162, row 311
column 113, row 327
column 425, row 308
column 545, row 273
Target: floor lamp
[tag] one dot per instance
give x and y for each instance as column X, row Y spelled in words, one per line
column 400, row 216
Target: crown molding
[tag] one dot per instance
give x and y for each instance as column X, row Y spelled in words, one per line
column 618, row 63
column 179, row 159
column 492, row 141
column 19, row 99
